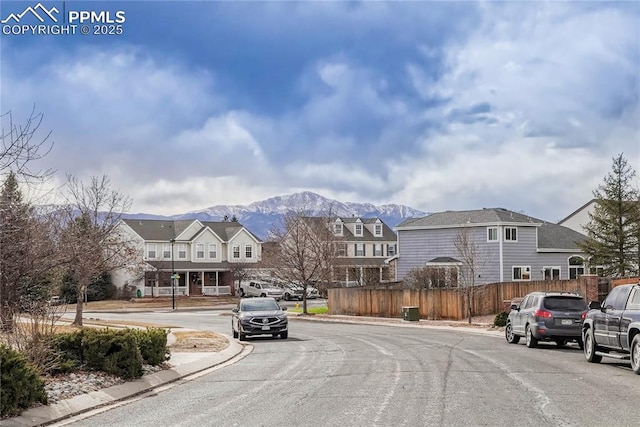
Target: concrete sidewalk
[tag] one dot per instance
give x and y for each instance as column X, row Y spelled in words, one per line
column 183, row 365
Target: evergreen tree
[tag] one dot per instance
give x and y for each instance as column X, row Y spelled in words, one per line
column 15, row 235
column 614, row 224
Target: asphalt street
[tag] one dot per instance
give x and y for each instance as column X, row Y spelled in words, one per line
column 378, row 375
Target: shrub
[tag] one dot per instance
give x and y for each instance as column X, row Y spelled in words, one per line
column 113, row 352
column 21, row 386
column 66, row 352
column 153, row 344
column 501, row 319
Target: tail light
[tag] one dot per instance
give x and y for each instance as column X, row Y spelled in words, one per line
column 584, row 315
column 543, row 313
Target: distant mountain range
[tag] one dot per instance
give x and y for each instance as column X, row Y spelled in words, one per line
column 259, row 217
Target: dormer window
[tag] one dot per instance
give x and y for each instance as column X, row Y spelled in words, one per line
column 358, row 230
column 377, row 230
column 337, row 229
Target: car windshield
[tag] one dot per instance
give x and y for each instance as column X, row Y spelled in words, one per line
column 564, row 303
column 265, row 305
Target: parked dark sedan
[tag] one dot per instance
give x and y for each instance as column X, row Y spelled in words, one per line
column 259, row 316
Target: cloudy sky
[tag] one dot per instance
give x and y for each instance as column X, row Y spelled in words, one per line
column 435, row 105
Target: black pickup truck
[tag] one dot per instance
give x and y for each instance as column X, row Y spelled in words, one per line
column 612, row 329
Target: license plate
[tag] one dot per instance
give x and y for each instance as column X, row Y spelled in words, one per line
column 567, row 322
column 266, row 328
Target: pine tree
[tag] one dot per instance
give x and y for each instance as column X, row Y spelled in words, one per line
column 614, row 224
column 15, row 230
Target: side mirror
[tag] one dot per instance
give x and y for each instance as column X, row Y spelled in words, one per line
column 515, row 307
column 594, row 305
column 284, row 308
column 235, row 310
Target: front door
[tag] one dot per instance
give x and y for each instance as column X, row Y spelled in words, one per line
column 195, row 284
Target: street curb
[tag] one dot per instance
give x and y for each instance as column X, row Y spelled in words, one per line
column 44, row 415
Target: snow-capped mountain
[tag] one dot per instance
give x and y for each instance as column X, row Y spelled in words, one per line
column 259, row 217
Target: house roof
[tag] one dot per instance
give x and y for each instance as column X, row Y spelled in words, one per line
column 554, row 236
column 191, row 266
column 165, row 230
column 550, row 235
column 443, row 260
column 347, row 235
column 360, row 262
column 480, row 216
column 577, row 211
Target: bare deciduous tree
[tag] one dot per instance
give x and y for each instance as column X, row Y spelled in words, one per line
column 19, row 149
column 472, row 260
column 91, row 241
column 304, row 250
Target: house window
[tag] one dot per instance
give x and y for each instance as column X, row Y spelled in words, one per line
column 236, row 251
column 248, row 251
column 492, row 234
column 510, row 234
column 341, row 249
column 337, row 229
column 521, row 273
column 182, row 251
column 200, row 250
column 377, row 249
column 166, row 251
column 378, row 230
column 551, row 273
column 151, row 250
column 213, row 250
column 358, row 230
column 576, row 267
column 359, row 249
column 391, row 250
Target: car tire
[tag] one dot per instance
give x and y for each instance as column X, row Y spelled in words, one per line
column 284, row 335
column 635, row 354
column 263, row 295
column 590, row 347
column 509, row 335
column 532, row 342
column 234, row 333
column 242, row 337
column 287, row 297
column 242, row 292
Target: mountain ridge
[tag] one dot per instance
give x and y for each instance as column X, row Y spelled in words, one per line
column 260, row 216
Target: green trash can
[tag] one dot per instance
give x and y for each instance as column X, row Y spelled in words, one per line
column 139, row 293
column 411, row 313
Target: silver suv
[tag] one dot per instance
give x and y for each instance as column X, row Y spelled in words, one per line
column 547, row 316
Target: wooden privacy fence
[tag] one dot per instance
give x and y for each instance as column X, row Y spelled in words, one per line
column 448, row 303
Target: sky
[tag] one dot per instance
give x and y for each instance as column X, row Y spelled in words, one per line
column 434, row 105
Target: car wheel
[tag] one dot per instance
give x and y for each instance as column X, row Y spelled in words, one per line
column 590, row 347
column 635, row 354
column 263, row 295
column 560, row 342
column 287, row 297
column 242, row 337
column 234, row 333
column 532, row 342
column 284, row 335
column 509, row 335
column 242, row 292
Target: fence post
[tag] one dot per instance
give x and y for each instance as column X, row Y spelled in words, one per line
column 589, row 282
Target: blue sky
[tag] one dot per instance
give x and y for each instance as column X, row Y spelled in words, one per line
column 435, row 105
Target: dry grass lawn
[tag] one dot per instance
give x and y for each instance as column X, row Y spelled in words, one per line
column 164, row 302
column 196, row 341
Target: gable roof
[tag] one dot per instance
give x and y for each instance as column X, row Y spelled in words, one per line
column 487, row 216
column 165, row 230
column 550, row 236
column 387, row 233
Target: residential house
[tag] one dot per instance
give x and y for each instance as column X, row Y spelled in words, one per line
column 200, row 256
column 578, row 219
column 362, row 246
column 511, row 246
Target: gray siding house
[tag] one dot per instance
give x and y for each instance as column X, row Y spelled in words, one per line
column 511, row 246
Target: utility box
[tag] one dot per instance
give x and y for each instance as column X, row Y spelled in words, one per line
column 411, row 313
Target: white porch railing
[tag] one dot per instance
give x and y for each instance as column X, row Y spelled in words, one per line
column 164, row 291
column 216, row 290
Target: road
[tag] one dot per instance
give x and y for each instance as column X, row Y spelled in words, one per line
column 334, row 374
